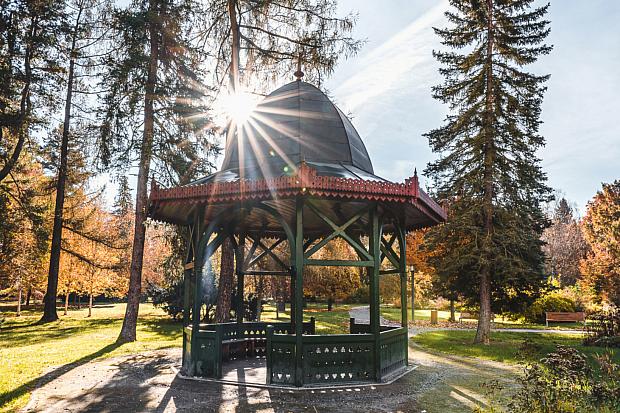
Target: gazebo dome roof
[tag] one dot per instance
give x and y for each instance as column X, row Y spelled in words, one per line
column 295, row 123
column 297, row 143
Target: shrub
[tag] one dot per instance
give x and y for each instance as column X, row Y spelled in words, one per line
column 564, row 382
column 360, row 295
column 552, row 302
column 170, row 298
column 604, row 329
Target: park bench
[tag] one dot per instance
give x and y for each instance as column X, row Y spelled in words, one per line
column 473, row 316
column 568, row 317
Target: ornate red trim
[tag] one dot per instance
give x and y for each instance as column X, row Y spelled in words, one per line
column 306, row 181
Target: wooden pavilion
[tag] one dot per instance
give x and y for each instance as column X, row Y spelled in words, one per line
column 296, row 174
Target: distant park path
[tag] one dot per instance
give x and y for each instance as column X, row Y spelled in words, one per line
column 361, row 315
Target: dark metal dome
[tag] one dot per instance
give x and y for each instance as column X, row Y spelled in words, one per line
column 296, row 123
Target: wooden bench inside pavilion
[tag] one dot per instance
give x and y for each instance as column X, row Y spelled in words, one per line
column 297, row 175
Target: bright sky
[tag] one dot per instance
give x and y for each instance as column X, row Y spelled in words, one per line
column 387, row 89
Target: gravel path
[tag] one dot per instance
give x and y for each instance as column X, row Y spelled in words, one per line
column 147, row 382
column 362, row 316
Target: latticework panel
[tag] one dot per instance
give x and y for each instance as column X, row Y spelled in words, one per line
column 281, row 360
column 338, row 359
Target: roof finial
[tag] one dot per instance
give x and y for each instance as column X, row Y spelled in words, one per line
column 415, row 172
column 299, row 74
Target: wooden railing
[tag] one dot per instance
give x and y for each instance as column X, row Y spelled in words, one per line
column 355, row 328
column 211, row 338
column 326, row 359
column 339, row 358
column 393, row 350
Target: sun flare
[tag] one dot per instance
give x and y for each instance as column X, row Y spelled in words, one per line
column 237, row 107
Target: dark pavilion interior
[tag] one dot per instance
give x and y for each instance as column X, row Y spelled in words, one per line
column 296, row 175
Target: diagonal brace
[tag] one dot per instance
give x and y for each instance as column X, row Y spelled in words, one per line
column 339, row 231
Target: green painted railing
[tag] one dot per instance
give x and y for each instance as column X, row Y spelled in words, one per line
column 365, row 328
column 393, row 350
column 340, row 358
column 208, row 355
column 280, row 358
column 330, row 359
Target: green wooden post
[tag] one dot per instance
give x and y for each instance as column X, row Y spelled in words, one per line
column 375, row 251
column 240, row 283
column 268, row 357
column 198, row 261
column 402, row 241
column 187, row 281
column 299, row 284
column 187, row 273
column 239, row 258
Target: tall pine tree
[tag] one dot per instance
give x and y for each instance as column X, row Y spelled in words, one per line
column 488, row 166
column 83, row 35
column 153, row 110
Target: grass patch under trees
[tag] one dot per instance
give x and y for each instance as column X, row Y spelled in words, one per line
column 506, row 347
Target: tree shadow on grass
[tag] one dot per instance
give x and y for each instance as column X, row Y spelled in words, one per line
column 29, row 334
column 167, row 328
column 54, row 374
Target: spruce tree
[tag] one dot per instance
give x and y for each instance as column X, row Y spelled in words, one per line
column 83, row 35
column 29, row 34
column 153, row 110
column 488, row 168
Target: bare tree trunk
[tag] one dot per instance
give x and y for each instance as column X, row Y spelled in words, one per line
column 236, row 36
column 128, row 331
column 66, row 302
column 259, row 297
column 19, row 300
column 483, row 333
column 49, row 309
column 28, row 295
column 222, row 310
column 90, row 303
column 452, row 316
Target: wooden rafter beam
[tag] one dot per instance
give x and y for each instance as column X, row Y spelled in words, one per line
column 389, row 271
column 338, row 231
column 267, row 272
column 267, row 251
column 248, row 258
column 388, row 252
column 339, row 263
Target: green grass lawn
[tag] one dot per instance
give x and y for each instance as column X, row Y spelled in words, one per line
column 327, row 322
column 506, row 347
column 30, row 352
